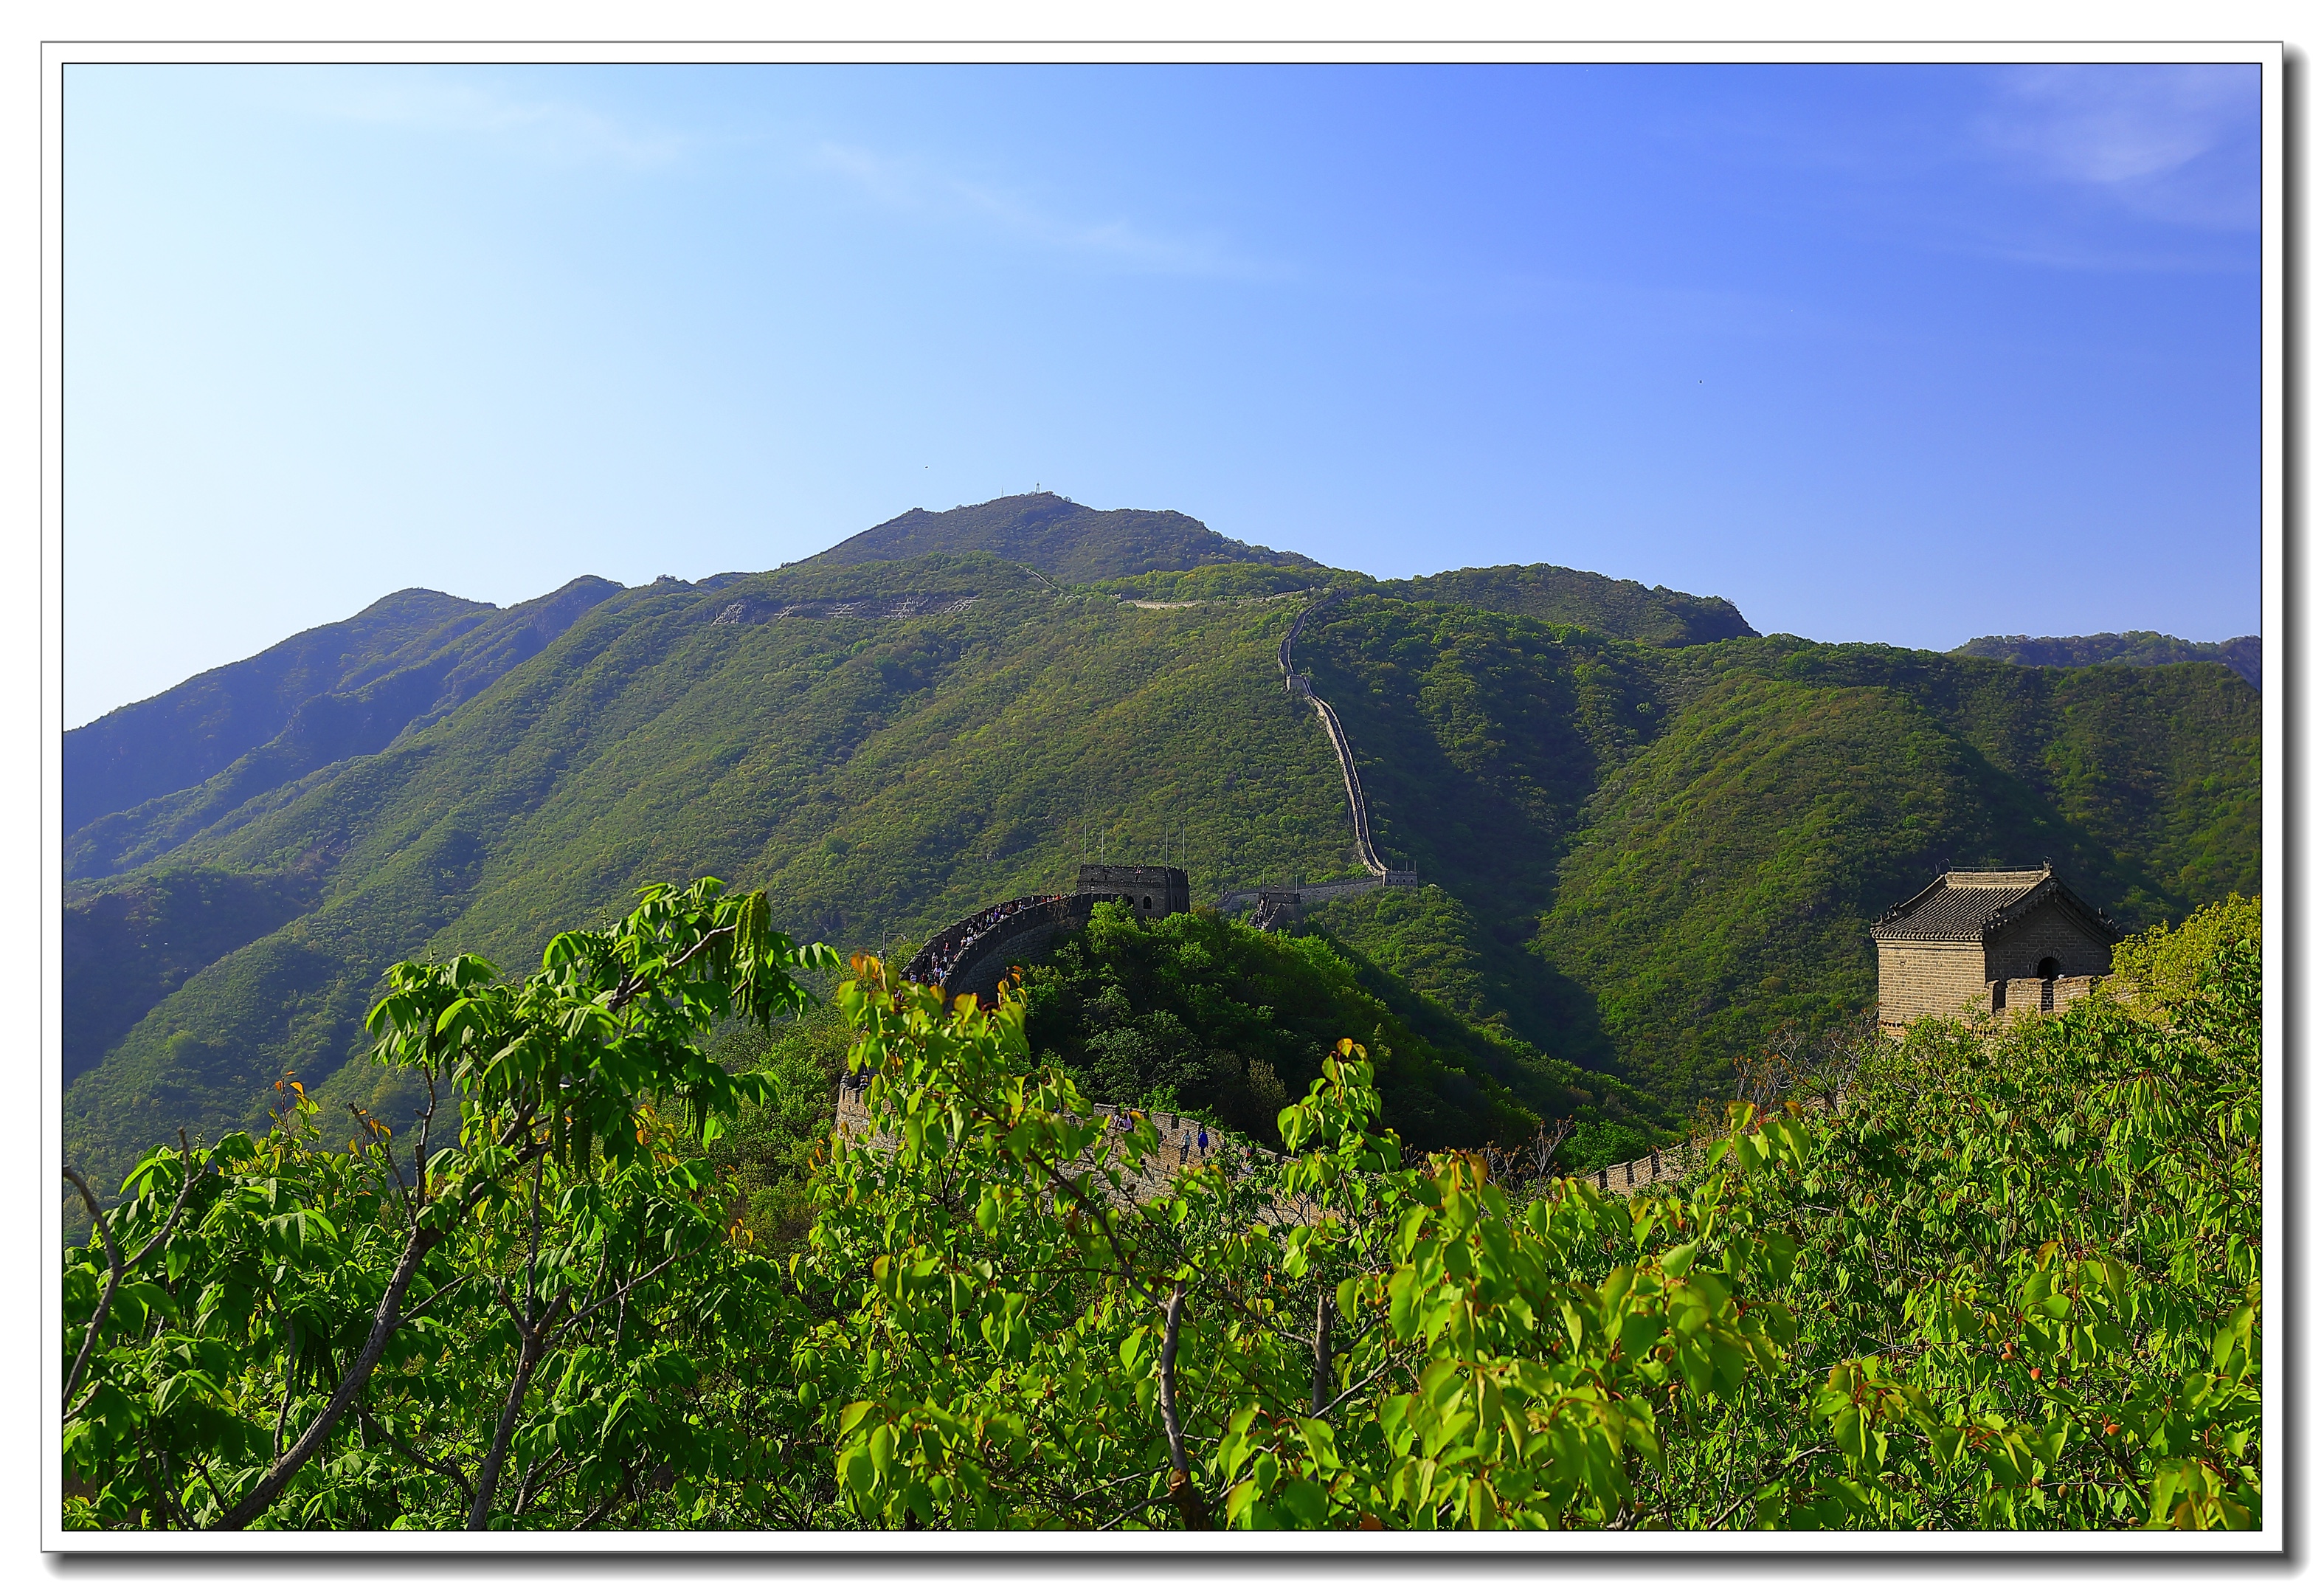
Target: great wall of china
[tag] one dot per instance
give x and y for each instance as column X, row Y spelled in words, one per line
column 974, row 954
column 1181, row 1149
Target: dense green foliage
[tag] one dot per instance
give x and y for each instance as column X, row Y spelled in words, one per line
column 1195, row 1012
column 578, row 1101
column 1655, row 615
column 2026, row 1262
column 1642, row 858
column 2239, row 654
column 2011, row 1281
column 1063, row 540
column 773, row 1145
column 157, row 772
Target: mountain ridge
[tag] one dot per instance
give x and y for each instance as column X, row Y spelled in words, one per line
column 2139, row 648
column 1062, row 539
column 324, row 694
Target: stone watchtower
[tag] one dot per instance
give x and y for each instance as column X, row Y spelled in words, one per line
column 1150, row 888
column 2006, row 939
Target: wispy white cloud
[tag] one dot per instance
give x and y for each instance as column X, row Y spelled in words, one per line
column 917, row 188
column 2173, row 143
column 557, row 130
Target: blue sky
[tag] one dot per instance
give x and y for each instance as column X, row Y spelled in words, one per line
column 1902, row 354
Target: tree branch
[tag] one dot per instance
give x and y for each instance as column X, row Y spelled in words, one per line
column 115, row 1268
column 532, row 1346
column 1321, row 1396
column 633, row 986
column 447, row 1468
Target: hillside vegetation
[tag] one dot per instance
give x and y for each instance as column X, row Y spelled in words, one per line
column 1656, row 615
column 1687, row 844
column 878, row 777
column 1197, row 1011
column 123, row 951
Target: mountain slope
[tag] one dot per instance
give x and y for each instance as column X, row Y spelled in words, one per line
column 1665, row 852
column 1639, row 857
column 125, row 950
column 1061, row 539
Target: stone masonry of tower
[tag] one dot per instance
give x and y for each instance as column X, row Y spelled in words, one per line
column 1994, row 940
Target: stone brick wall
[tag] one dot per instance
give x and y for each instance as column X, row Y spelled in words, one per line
column 1022, row 938
column 2048, row 931
column 1237, row 898
column 2015, row 997
column 1921, row 977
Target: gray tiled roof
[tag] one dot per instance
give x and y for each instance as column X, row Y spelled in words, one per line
column 1973, row 905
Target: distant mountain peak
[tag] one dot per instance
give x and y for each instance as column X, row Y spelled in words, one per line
column 1058, row 537
column 2239, row 654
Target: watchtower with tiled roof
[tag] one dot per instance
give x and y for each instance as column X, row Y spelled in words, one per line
column 2006, row 939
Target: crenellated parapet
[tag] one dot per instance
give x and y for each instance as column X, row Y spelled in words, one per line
column 973, row 955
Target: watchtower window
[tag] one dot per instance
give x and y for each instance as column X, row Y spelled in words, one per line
column 1149, row 903
column 2049, row 968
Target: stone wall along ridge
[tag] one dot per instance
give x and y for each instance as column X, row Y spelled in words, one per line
column 972, row 954
column 757, row 611
column 1303, row 686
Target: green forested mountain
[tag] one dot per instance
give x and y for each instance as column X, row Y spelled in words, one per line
column 1655, row 615
column 1690, row 842
column 126, row 949
column 1641, row 853
column 2239, row 654
column 1058, row 537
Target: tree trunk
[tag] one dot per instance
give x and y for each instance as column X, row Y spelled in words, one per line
column 383, row 1324
column 535, row 1345
column 1323, row 1393
column 1192, row 1510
